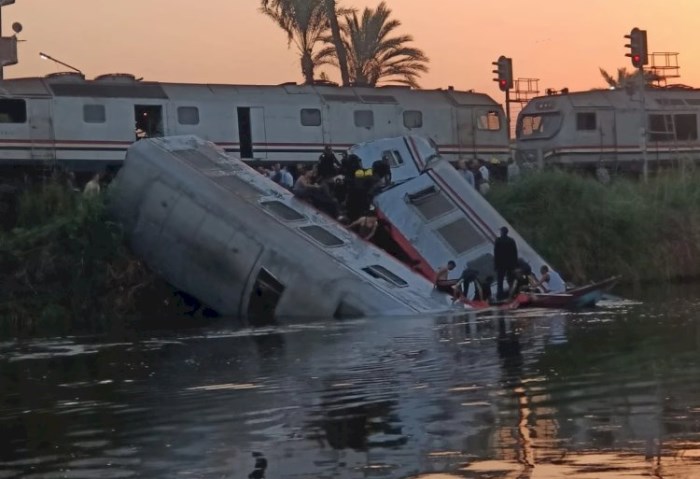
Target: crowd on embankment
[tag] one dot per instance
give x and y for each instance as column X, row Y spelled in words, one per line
column 65, row 266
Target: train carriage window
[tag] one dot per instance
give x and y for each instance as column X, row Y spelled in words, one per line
column 545, row 125
column 380, row 272
column 460, row 235
column 660, row 128
column 686, row 126
column 188, row 115
column 489, row 120
column 394, row 158
column 283, row 211
column 364, row 118
column 310, row 117
column 94, row 114
column 322, row 235
column 13, row 111
column 412, row 119
column 585, row 121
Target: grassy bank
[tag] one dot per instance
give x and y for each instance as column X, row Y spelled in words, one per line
column 65, row 268
column 588, row 230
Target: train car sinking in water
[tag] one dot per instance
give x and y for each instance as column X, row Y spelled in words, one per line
column 215, row 228
column 435, row 214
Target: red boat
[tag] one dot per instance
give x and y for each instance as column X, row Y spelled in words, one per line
column 577, row 298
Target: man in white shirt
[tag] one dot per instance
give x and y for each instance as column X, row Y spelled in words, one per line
column 550, row 281
column 484, row 185
column 286, row 178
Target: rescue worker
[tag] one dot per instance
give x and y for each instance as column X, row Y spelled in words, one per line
column 505, row 258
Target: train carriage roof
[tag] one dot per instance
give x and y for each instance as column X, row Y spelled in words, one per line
column 656, row 98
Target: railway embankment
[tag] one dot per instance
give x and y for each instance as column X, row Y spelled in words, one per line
column 644, row 231
column 65, row 268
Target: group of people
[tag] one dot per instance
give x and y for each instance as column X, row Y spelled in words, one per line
column 341, row 188
column 478, row 174
column 509, row 267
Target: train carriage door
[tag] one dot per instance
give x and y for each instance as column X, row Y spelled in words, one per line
column 150, row 121
column 607, row 133
column 252, row 135
column 41, row 134
column 465, row 134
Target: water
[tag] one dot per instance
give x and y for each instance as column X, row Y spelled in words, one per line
column 605, row 394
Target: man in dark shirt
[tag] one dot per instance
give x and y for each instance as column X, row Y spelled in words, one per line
column 505, row 258
column 327, row 164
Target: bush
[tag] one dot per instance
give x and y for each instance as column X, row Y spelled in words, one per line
column 66, row 267
column 589, row 231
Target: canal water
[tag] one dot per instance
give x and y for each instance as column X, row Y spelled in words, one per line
column 609, row 393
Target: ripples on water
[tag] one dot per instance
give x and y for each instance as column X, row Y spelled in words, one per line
column 607, row 393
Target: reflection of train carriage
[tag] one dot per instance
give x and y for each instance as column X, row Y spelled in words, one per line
column 604, row 127
column 86, row 123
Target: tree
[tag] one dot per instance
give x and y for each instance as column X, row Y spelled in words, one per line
column 626, row 79
column 332, row 15
column 373, row 55
column 306, row 25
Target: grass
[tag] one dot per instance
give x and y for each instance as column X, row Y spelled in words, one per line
column 65, row 268
column 646, row 232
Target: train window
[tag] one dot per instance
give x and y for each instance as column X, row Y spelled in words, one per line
column 460, row 235
column 686, row 126
column 380, row 272
column 413, row 119
column 188, row 115
column 660, row 128
column 94, row 114
column 310, row 117
column 364, row 118
column 489, row 120
column 283, row 211
column 394, row 158
column 585, row 121
column 545, row 125
column 430, row 203
column 322, row 235
column 13, row 111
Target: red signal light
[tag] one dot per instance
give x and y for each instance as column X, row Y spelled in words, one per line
column 636, row 58
column 503, row 84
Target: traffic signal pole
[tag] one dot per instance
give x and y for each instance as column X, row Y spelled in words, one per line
column 504, row 77
column 638, row 54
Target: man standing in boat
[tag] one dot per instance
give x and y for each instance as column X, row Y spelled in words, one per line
column 505, row 258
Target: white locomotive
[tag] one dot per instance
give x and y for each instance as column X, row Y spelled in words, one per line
column 610, row 128
column 88, row 124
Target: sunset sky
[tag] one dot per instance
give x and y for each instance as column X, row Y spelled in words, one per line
column 228, row 41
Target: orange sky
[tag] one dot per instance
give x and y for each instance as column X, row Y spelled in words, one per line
column 562, row 42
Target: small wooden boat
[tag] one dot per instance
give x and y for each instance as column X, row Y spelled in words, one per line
column 577, row 298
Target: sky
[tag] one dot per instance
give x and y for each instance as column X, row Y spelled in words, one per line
column 561, row 42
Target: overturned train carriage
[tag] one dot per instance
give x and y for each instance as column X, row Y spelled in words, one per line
column 435, row 214
column 610, row 128
column 215, row 228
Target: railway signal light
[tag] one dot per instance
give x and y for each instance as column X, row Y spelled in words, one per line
column 505, row 73
column 638, row 47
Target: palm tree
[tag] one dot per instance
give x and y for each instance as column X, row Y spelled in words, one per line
column 306, row 24
column 626, row 79
column 332, row 15
column 374, row 56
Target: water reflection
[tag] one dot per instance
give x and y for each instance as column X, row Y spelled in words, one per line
column 609, row 393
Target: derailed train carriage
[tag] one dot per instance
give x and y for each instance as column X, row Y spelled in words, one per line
column 89, row 124
column 610, row 128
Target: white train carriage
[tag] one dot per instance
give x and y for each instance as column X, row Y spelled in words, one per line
column 91, row 123
column 606, row 128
